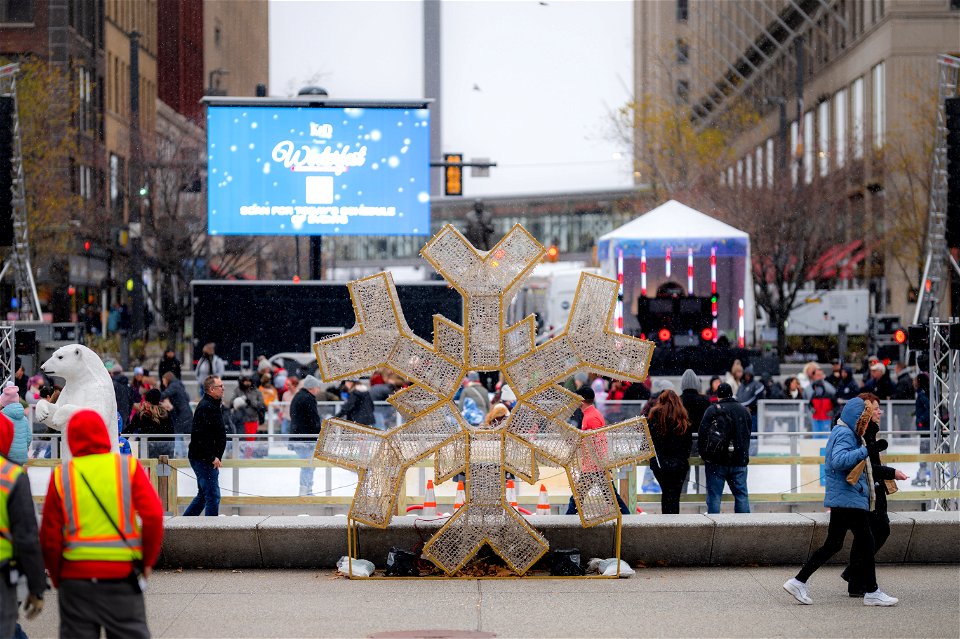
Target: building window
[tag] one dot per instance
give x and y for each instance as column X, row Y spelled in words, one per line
column 748, row 171
column 808, row 147
column 758, row 167
column 823, row 128
column 840, row 126
column 955, row 5
column 683, row 91
column 683, row 10
column 683, row 51
column 16, row 11
column 859, row 117
column 739, row 172
column 879, row 106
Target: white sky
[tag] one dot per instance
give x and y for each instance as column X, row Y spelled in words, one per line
column 549, row 77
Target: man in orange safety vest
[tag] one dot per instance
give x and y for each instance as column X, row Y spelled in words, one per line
column 97, row 553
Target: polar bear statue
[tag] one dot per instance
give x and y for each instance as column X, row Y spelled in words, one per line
column 86, row 385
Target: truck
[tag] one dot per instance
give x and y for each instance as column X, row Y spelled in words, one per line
column 249, row 318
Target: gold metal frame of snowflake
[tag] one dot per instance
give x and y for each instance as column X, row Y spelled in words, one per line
column 535, row 433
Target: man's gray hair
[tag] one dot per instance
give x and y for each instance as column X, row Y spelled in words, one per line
column 208, row 382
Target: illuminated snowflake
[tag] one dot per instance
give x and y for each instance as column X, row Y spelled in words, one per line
column 535, row 433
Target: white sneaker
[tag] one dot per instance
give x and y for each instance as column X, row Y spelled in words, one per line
column 799, row 591
column 879, row 598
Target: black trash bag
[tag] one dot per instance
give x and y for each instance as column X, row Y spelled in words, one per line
column 402, row 563
column 566, row 563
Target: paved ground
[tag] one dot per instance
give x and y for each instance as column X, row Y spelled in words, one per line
column 695, row 602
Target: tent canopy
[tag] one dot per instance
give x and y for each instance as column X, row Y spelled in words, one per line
column 677, row 226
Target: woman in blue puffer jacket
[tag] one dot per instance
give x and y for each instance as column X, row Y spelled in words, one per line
column 850, row 504
column 13, row 410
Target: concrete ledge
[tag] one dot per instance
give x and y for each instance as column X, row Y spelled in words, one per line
column 652, row 540
column 936, row 537
column 667, row 540
column 760, row 538
column 212, row 542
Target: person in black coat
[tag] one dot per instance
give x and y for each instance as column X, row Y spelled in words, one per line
column 733, row 469
column 180, row 413
column 208, row 440
column 879, row 521
column 126, row 396
column 358, row 407
column 672, row 440
column 305, row 426
column 169, row 364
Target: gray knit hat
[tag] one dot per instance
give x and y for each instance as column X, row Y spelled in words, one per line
column 689, row 381
column 310, row 382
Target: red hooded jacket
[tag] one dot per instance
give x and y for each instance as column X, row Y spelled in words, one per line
column 6, row 435
column 87, row 435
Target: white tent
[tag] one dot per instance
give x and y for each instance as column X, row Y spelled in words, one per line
column 677, row 231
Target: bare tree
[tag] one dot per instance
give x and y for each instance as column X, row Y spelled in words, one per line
column 791, row 227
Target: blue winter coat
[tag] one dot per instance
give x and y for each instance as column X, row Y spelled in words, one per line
column 844, row 451
column 22, row 435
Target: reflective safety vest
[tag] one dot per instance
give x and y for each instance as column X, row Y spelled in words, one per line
column 8, row 477
column 88, row 533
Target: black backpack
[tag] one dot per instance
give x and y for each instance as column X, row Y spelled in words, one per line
column 715, row 443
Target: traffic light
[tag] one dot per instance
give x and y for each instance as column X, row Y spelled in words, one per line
column 952, row 108
column 453, row 175
column 552, row 253
column 6, row 171
column 900, row 336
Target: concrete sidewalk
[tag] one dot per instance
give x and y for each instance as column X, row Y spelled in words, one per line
column 658, row 602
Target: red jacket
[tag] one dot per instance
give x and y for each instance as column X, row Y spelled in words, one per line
column 595, row 447
column 87, row 435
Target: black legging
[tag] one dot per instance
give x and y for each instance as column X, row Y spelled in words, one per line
column 880, row 527
column 672, row 480
column 857, row 521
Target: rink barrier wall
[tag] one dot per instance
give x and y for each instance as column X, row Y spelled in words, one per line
column 316, row 542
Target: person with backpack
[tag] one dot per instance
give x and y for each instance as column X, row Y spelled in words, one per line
column 672, row 439
column 820, row 393
column 723, row 441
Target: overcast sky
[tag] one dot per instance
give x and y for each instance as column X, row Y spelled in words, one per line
column 530, row 85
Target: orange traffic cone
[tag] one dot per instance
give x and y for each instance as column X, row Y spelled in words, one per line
column 460, row 497
column 429, row 502
column 511, row 493
column 543, row 506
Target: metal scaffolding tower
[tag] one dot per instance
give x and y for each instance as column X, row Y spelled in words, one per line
column 19, row 259
column 935, row 269
column 944, row 409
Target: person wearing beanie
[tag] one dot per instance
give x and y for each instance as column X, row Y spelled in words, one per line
column 18, row 519
column 102, row 523
column 305, row 426
column 696, row 404
column 731, row 468
column 22, row 433
column 850, row 496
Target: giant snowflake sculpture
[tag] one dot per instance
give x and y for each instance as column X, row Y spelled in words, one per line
column 535, row 433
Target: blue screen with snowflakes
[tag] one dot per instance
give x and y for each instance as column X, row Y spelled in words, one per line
column 291, row 170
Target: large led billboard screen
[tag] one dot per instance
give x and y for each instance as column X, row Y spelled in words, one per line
column 300, row 169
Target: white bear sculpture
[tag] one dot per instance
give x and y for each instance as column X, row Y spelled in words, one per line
column 86, row 385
